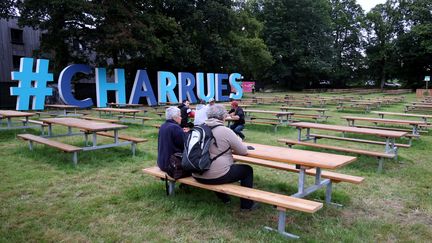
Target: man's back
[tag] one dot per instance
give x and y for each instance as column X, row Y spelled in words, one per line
column 170, row 140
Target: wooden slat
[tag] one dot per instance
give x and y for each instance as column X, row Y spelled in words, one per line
column 338, row 148
column 84, row 124
column 35, row 122
column 400, row 145
column 282, row 201
column 336, row 177
column 402, row 114
column 380, row 120
column 11, row 113
column 123, row 137
column 338, row 128
column 393, row 128
column 100, row 119
column 51, row 143
column 136, row 117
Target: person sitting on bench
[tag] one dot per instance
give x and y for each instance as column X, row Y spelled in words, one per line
column 185, row 110
column 171, row 137
column 238, row 115
column 223, row 170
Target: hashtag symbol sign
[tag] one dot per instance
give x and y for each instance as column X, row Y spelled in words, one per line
column 31, row 84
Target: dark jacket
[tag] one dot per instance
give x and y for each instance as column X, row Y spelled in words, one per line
column 239, row 112
column 184, row 115
column 171, row 140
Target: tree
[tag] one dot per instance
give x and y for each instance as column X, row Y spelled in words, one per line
column 347, row 20
column 414, row 46
column 297, row 32
column 64, row 23
column 383, row 25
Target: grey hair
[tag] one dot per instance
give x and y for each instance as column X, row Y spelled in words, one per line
column 216, row 111
column 172, row 112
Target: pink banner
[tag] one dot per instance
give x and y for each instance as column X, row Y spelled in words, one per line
column 248, row 86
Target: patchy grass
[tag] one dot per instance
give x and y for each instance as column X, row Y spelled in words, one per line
column 107, row 198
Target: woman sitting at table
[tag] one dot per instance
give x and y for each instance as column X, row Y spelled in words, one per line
column 223, row 170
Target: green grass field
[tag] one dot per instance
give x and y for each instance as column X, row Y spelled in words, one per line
column 107, row 198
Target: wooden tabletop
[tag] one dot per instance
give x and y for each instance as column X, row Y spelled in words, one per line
column 63, row 106
column 380, row 120
column 270, row 112
column 402, row 114
column 358, row 130
column 11, row 113
column 300, row 157
column 117, row 110
column 91, row 126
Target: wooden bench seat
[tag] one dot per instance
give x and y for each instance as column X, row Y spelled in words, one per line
column 40, row 123
column 335, row 177
column 274, row 124
column 123, row 137
column 379, row 155
column 100, row 119
column 408, row 135
column 142, row 118
column 55, row 144
column 135, row 117
column 282, row 202
column 318, row 136
column 157, row 126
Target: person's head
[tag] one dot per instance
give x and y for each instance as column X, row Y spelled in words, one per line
column 201, row 101
column 173, row 113
column 216, row 111
column 186, row 103
column 234, row 104
column 211, row 101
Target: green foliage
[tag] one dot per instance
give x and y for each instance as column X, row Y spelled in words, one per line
column 291, row 42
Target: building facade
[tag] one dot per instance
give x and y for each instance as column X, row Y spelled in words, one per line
column 15, row 42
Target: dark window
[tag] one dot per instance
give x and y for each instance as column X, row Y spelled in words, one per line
column 16, row 62
column 17, row 36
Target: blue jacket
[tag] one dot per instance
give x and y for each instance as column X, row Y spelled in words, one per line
column 171, row 140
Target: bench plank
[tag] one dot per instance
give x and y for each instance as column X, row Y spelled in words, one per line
column 282, row 201
column 337, row 148
column 40, row 123
column 401, row 145
column 123, row 137
column 62, row 146
column 100, row 119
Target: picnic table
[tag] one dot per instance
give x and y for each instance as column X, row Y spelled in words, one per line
column 321, row 111
column 422, row 116
column 304, row 160
column 415, row 124
column 86, row 127
column 419, row 106
column 280, row 115
column 10, row 114
column 62, row 110
column 366, row 105
column 122, row 111
column 390, row 136
column 120, row 105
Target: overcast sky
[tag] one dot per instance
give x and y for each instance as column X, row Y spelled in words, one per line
column 369, row 4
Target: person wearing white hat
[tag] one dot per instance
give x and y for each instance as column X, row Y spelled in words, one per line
column 201, row 111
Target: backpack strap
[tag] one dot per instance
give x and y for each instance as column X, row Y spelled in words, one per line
column 211, row 128
column 219, row 155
